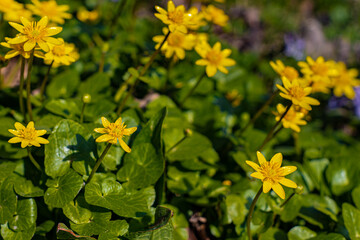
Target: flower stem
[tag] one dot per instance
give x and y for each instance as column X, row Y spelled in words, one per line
column 98, row 162
column 28, row 85
column 251, row 211
column 177, row 144
column 259, row 112
column 43, row 84
column 82, row 112
column 201, row 77
column 143, row 71
column 32, row 159
column 287, row 200
column 21, row 89
column 271, row 132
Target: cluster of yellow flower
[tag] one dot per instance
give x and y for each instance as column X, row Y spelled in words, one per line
column 318, row 76
column 182, row 35
column 35, row 36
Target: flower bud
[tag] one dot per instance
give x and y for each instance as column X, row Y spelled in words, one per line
column 86, row 98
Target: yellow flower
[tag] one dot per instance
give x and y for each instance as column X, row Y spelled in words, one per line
column 175, row 17
column 28, row 136
column 114, row 132
column 196, row 19
column 292, row 119
column 215, row 15
column 18, row 49
column 87, row 16
column 214, row 58
column 284, row 71
column 272, row 174
column 32, row 33
column 319, row 73
column 345, row 82
column 14, row 15
column 297, row 94
column 177, row 43
column 55, row 13
column 9, row 5
column 60, row 54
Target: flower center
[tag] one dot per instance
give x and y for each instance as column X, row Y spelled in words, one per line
column 59, row 50
column 176, row 39
column 33, row 31
column 117, row 131
column 28, row 133
column 176, row 16
column 214, row 57
column 320, row 69
column 290, row 73
column 269, row 172
column 297, row 92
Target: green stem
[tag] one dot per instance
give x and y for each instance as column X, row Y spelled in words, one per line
column 176, row 144
column 259, row 112
column 98, row 162
column 271, row 132
column 143, row 71
column 28, row 86
column 43, row 84
column 32, row 159
column 102, row 62
column 82, row 113
column 251, row 211
column 287, row 200
column 201, row 77
column 118, row 13
column 21, row 89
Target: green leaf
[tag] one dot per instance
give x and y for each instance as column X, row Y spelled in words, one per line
column 63, row 189
column 63, row 85
column 273, row 234
column 45, row 227
column 5, row 124
column 9, row 234
column 7, row 200
column 351, row 217
column 6, row 169
column 25, row 215
column 26, row 188
column 356, row 196
column 235, row 207
column 99, row 108
column 142, row 167
column 161, row 229
column 96, row 85
column 330, row 236
column 110, row 194
column 181, row 182
column 67, row 144
column 78, row 211
column 300, row 233
column 292, row 208
column 63, row 232
column 65, row 108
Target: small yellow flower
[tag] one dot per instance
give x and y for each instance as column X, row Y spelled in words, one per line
column 345, row 82
column 60, row 54
column 292, row 119
column 177, row 43
column 214, row 58
column 175, row 17
column 297, row 93
column 215, row 15
column 28, row 136
column 196, row 19
column 272, row 174
column 114, row 132
column 319, row 73
column 55, row 13
column 284, row 71
column 87, row 16
column 32, row 33
column 18, row 49
column 9, row 5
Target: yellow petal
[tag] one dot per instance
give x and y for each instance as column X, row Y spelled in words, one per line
column 15, row 132
column 105, row 122
column 217, row 46
column 11, row 54
column 211, row 70
column 100, row 130
column 278, row 189
column 17, row 26
column 124, row 146
column 170, row 6
column 43, row 22
column 261, row 158
column 52, row 40
column 287, row 170
column 257, row 175
column 43, row 45
column 15, row 140
column 25, row 22
column 51, row 31
column 30, row 125
column 40, row 132
column 202, row 62
column 253, row 165
column 24, row 143
column 288, row 183
column 276, row 160
column 118, row 121
column 29, row 45
column 105, row 138
column 19, row 126
column 19, row 39
column 266, row 186
column 34, row 143
column 42, row 140
column 129, row 131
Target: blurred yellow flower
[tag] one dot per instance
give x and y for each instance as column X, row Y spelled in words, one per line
column 18, row 49
column 214, row 58
column 14, row 15
column 292, row 119
column 297, row 94
column 87, row 16
column 32, row 33
column 345, row 82
column 196, row 19
column 28, row 136
column 175, row 17
column 284, row 71
column 318, row 73
column 215, row 15
column 176, row 43
column 9, row 5
column 60, row 54
column 55, row 13
column 272, row 174
column 112, row 132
